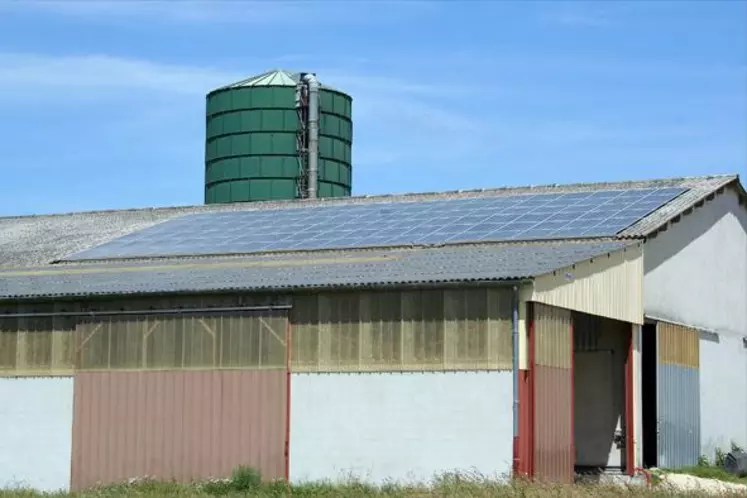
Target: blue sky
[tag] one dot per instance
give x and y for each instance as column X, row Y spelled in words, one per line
column 102, row 103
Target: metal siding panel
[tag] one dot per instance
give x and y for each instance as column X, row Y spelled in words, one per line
column 36, row 418
column 552, row 370
column 678, row 386
column 553, row 424
column 610, row 286
column 177, row 425
column 406, row 427
column 679, row 345
column 679, row 416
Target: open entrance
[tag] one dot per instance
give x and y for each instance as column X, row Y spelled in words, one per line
column 648, row 396
column 600, row 354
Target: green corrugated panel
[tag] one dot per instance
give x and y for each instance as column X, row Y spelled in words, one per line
column 250, row 149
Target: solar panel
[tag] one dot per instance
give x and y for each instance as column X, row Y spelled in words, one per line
column 507, row 217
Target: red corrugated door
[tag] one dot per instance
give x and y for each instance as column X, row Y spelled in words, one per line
column 551, row 356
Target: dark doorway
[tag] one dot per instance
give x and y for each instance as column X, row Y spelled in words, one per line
column 648, row 396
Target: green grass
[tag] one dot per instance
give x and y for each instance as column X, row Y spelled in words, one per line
column 247, row 482
column 450, row 487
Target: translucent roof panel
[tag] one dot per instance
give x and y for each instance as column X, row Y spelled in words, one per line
column 443, row 221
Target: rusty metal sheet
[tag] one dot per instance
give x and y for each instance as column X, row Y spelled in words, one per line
column 177, row 425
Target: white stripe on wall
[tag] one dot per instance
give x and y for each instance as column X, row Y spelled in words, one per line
column 402, row 427
column 36, row 420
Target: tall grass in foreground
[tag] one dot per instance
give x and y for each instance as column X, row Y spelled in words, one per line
column 247, row 482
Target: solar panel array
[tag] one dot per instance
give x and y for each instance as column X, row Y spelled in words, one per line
column 496, row 218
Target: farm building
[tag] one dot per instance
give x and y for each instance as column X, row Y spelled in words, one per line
column 544, row 330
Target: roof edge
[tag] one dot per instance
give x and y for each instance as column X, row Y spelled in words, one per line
column 423, row 195
column 732, row 181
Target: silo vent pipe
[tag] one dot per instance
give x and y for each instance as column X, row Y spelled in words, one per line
column 313, row 127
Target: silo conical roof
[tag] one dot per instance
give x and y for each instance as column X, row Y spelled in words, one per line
column 276, row 77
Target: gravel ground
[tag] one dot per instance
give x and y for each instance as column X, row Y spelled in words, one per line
column 684, row 482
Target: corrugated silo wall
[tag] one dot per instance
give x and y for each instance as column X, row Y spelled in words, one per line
column 401, row 386
column 184, row 395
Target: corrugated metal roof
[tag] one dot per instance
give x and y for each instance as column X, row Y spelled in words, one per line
column 275, row 77
column 438, row 265
column 37, row 240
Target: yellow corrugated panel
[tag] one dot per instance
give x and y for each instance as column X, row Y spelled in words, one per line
column 62, row 344
column 678, row 345
column 553, row 343
column 460, row 329
column 609, row 285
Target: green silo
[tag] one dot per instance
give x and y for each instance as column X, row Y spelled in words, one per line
column 261, row 142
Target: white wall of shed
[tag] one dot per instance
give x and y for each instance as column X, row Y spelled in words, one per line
column 696, row 270
column 610, row 285
column 723, row 393
column 36, row 423
column 696, row 275
column 402, row 427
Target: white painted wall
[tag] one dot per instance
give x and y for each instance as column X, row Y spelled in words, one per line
column 696, row 275
column 405, row 427
column 36, row 421
column 723, row 393
column 696, row 271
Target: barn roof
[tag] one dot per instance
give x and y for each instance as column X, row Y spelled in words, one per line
column 164, row 250
column 307, row 270
column 39, row 240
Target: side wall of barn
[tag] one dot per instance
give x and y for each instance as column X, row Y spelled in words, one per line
column 696, row 275
column 401, row 386
column 377, row 376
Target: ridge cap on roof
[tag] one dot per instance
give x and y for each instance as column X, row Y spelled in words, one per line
column 519, row 189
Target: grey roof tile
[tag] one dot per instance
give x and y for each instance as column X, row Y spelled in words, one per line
column 438, row 265
column 38, row 240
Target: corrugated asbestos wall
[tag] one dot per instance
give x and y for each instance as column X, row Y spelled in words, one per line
column 405, row 427
column 401, row 385
column 552, row 371
column 36, row 418
column 153, row 367
column 177, row 425
column 678, row 393
column 431, row 330
column 189, row 394
column 610, row 286
column 61, row 345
